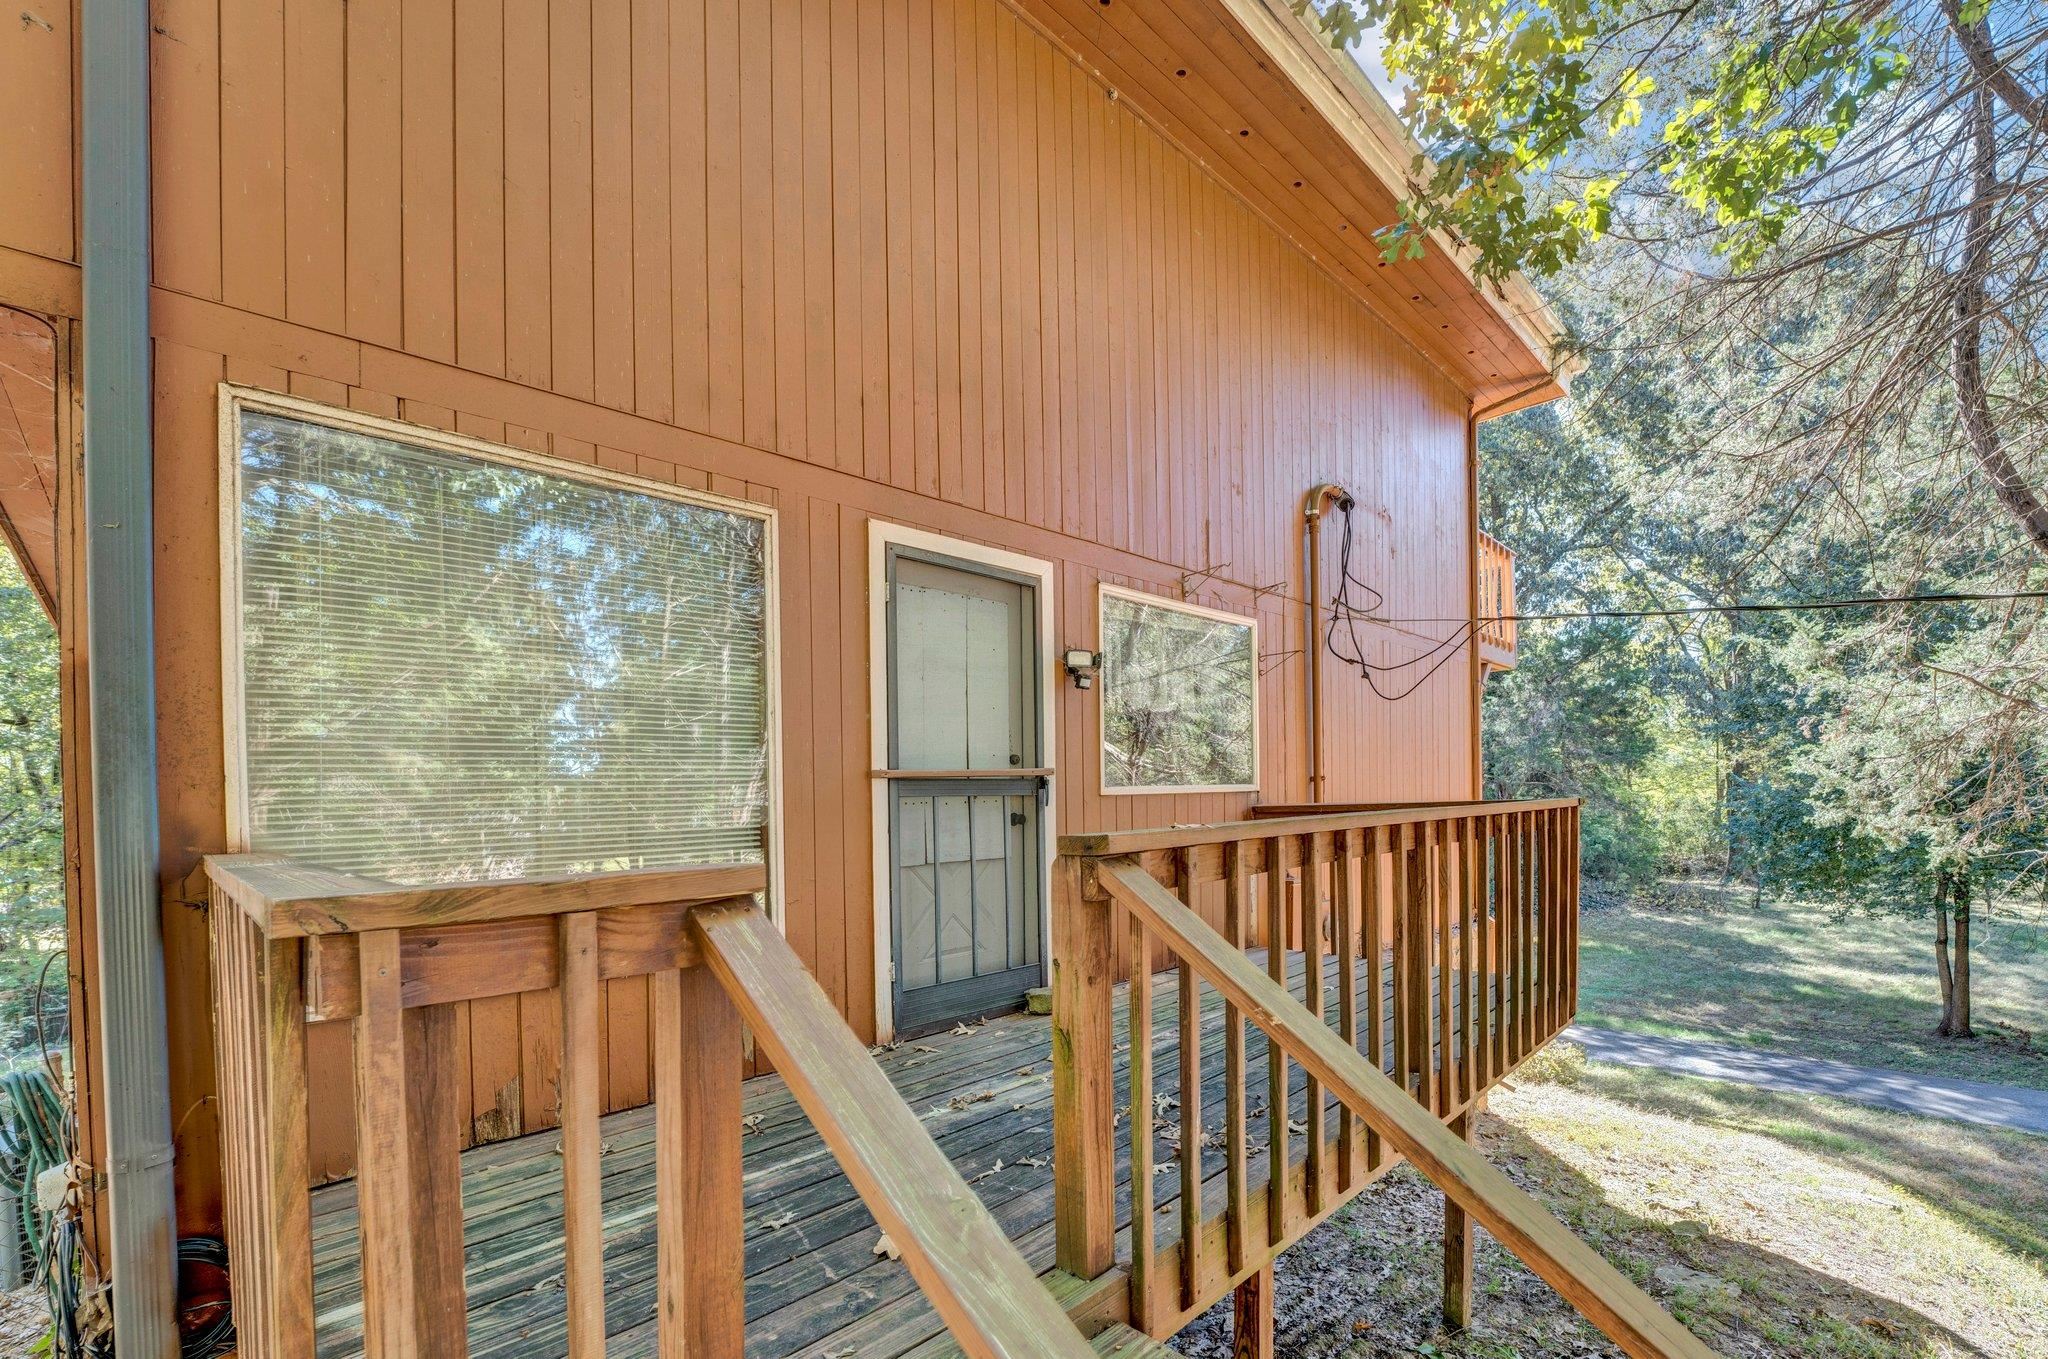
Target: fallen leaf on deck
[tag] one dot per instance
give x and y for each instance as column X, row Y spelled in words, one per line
column 886, row 1248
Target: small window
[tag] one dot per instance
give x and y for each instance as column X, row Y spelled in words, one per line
column 1179, row 697
column 453, row 666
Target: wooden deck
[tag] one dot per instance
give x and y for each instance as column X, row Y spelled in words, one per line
column 815, row 1285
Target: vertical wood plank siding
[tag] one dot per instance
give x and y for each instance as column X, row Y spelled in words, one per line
column 901, row 259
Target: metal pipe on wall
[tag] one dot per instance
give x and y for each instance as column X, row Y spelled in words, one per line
column 121, row 654
column 1313, row 508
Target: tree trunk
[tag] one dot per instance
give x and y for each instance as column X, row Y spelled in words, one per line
column 1941, row 963
column 1973, row 398
column 1962, row 1027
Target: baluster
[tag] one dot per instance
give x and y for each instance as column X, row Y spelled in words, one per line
column 1571, row 906
column 1445, row 958
column 1472, row 909
column 1555, row 901
column 1371, row 934
column 1138, row 1006
column 699, row 1216
column 1344, row 934
column 1312, row 996
column 1190, row 998
column 1525, row 926
column 1236, row 1189
column 1276, row 1056
column 582, row 1137
column 1550, row 923
column 1409, row 889
column 1497, row 956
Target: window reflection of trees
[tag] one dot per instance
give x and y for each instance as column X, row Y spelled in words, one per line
column 1177, row 695
column 455, row 668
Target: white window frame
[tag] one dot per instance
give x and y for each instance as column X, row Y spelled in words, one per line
column 1104, row 593
column 236, row 399
column 882, row 536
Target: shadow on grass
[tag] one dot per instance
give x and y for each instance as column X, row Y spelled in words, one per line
column 1986, row 1180
column 1728, row 971
column 1368, row 1284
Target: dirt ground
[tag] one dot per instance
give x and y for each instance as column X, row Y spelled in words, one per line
column 1765, row 1247
column 23, row 1322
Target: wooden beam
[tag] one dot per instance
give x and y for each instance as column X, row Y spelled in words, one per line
column 1084, row 1112
column 433, row 1076
column 287, row 898
column 1252, row 1317
column 699, row 1218
column 1458, row 1248
column 384, row 1171
column 444, row 963
column 582, row 1138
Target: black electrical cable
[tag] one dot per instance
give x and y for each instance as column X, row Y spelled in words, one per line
column 1787, row 606
column 206, row 1329
column 1344, row 609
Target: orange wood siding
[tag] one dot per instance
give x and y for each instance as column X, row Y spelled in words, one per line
column 898, row 259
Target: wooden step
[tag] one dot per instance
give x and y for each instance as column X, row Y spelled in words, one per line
column 1121, row 1342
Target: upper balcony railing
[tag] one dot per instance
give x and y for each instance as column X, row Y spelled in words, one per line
column 1496, row 611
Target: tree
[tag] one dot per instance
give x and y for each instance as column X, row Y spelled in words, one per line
column 1754, row 149
column 31, row 815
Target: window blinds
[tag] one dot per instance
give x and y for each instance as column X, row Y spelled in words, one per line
column 459, row 669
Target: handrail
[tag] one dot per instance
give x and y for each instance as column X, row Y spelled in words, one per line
column 1112, row 844
column 293, row 943
column 1272, row 811
column 974, row 1277
column 1623, row 1312
column 287, row 898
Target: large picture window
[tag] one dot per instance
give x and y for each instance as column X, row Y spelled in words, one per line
column 1179, row 697
column 450, row 665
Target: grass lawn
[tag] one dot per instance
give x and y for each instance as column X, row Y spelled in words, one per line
column 1772, row 1225
column 1856, row 988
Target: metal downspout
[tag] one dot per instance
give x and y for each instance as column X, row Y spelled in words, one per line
column 1319, row 499
column 121, row 656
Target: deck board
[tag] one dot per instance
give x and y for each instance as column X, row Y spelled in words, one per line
column 815, row 1287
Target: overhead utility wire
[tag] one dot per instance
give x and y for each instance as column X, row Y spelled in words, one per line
column 1788, row 606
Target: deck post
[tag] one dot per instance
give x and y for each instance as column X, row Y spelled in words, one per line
column 1252, row 1316
column 1458, row 1248
column 1083, row 1080
column 699, row 1216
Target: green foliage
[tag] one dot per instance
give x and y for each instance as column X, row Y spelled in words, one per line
column 1535, row 113
column 31, row 814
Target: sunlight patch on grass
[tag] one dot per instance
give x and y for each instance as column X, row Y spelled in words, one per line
column 1801, row 979
column 1811, row 1233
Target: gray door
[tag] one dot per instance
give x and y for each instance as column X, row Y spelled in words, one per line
column 964, row 813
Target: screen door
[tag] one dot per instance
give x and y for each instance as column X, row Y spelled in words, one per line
column 964, row 813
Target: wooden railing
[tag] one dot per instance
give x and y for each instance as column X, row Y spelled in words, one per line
column 1496, row 625
column 291, row 941
column 1449, row 938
